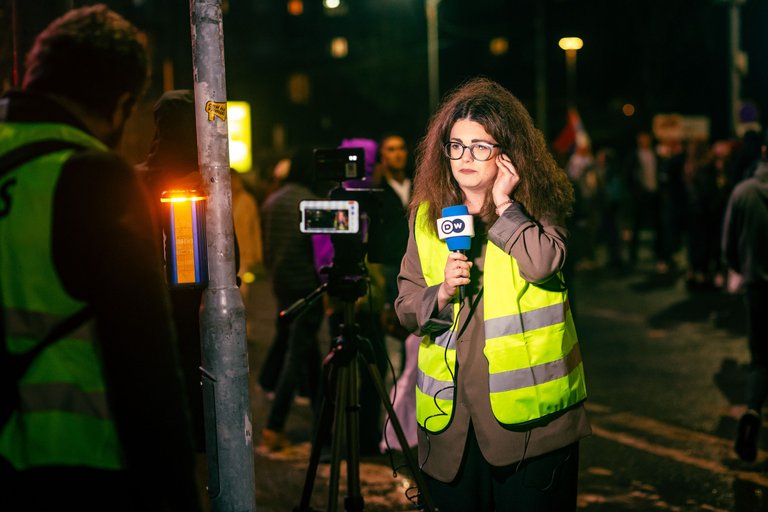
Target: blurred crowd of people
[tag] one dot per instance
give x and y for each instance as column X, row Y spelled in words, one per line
column 668, row 196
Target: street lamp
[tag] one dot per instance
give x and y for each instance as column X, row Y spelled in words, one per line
column 571, row 45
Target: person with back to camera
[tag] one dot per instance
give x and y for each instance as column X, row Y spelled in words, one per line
column 745, row 251
column 171, row 164
column 500, row 386
column 102, row 420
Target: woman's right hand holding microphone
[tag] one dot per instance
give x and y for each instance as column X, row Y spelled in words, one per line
column 456, row 274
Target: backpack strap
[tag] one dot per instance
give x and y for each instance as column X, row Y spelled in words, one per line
column 60, row 330
column 27, row 152
column 8, row 162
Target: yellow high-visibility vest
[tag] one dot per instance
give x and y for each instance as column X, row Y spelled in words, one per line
column 64, row 418
column 534, row 362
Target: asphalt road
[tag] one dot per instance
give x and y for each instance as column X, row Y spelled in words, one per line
column 665, row 372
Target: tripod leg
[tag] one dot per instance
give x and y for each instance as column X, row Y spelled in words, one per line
column 426, row 499
column 321, row 434
column 342, row 399
column 354, row 500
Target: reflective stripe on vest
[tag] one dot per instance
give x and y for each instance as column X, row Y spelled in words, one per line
column 435, row 375
column 531, row 345
column 64, row 419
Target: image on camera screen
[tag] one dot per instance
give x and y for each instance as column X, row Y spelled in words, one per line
column 329, row 217
column 336, row 220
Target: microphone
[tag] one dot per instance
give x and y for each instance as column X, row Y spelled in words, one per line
column 457, row 228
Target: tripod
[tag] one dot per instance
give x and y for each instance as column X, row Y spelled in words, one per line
column 344, row 412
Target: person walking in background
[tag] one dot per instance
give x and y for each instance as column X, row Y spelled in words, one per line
column 102, row 421
column 247, row 223
column 746, row 156
column 293, row 360
column 721, row 168
column 642, row 172
column 672, row 201
column 489, row 417
column 745, row 251
column 589, row 202
column 613, row 212
column 700, row 185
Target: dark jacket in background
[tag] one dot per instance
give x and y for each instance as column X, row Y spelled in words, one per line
column 389, row 231
column 172, row 164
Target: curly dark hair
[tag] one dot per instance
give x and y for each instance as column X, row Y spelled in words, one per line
column 544, row 190
column 91, row 55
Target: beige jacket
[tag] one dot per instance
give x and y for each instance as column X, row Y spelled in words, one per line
column 540, row 251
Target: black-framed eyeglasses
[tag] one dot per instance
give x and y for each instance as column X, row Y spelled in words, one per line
column 480, row 151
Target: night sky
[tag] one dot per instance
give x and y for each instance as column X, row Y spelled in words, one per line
column 659, row 55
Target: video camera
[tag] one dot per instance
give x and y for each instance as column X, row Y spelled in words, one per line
column 351, row 212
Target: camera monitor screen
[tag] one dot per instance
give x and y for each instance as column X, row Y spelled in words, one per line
column 339, row 164
column 342, row 217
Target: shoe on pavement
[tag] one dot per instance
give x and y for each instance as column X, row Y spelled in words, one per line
column 274, row 441
column 747, row 436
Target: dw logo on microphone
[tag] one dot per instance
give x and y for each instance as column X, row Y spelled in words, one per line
column 452, row 226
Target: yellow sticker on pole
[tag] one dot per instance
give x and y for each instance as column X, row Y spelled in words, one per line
column 216, row 109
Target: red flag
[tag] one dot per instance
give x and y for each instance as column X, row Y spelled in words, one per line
column 566, row 140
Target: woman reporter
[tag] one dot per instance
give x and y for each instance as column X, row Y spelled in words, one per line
column 500, row 389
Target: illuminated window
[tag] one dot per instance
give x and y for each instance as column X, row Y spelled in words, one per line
column 298, row 88
column 295, row 7
column 239, row 128
column 499, row 46
column 339, row 47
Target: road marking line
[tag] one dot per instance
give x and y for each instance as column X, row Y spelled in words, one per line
column 663, row 429
column 615, row 314
column 674, row 433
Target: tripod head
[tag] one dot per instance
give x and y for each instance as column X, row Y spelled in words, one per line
column 346, row 280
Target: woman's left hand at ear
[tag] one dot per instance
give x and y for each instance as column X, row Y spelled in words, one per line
column 507, row 179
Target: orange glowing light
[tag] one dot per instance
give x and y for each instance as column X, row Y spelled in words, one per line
column 185, row 244
column 295, row 7
column 339, row 47
column 571, row 43
column 181, row 196
column 499, row 45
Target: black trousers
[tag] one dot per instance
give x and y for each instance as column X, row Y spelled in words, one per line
column 756, row 300
column 547, row 482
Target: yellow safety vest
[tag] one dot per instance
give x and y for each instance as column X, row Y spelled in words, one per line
column 64, row 418
column 534, row 362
